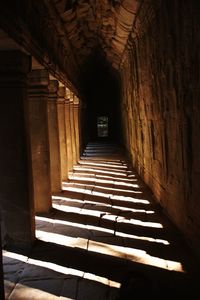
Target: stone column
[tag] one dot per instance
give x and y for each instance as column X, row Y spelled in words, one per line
column 38, row 97
column 54, row 145
column 83, row 133
column 62, row 132
column 68, row 132
column 77, row 127
column 72, row 124
column 16, row 192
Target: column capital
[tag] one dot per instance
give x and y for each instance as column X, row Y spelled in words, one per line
column 76, row 101
column 68, row 93
column 61, row 95
column 38, row 78
column 71, row 102
column 38, row 85
column 71, row 97
column 53, row 87
column 62, row 92
column 67, row 102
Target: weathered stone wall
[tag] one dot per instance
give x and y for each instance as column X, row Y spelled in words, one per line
column 161, row 108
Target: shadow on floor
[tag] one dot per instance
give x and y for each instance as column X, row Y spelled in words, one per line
column 105, row 238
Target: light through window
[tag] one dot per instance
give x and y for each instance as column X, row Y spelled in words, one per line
column 102, row 126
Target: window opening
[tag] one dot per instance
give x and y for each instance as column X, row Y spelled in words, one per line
column 102, row 126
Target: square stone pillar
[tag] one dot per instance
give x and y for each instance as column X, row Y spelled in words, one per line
column 77, row 127
column 38, row 97
column 68, row 134
column 83, row 131
column 72, row 125
column 54, row 144
column 16, row 191
column 62, row 132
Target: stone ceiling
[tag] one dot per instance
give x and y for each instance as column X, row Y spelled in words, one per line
column 90, row 24
column 69, row 37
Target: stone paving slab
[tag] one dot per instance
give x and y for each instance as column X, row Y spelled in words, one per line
column 97, row 199
column 104, row 226
column 8, row 287
column 13, row 266
column 23, row 292
column 69, row 288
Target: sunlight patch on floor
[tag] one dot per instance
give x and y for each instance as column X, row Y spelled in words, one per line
column 78, row 210
column 99, row 171
column 24, row 292
column 54, row 197
column 103, row 230
column 79, row 225
column 93, row 176
column 63, row 270
column 142, row 238
column 106, row 215
column 99, row 180
column 14, row 255
column 110, row 190
column 103, row 280
column 131, row 254
column 127, row 209
column 130, row 199
column 120, row 166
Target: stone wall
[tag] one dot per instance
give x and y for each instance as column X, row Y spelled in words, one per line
column 161, row 110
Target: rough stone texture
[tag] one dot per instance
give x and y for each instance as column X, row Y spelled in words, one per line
column 91, row 24
column 160, row 108
column 16, row 193
column 38, row 130
column 54, row 145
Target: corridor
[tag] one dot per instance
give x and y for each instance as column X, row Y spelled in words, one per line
column 105, row 238
column 99, row 149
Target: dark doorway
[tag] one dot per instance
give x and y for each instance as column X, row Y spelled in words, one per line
column 102, row 126
column 100, row 87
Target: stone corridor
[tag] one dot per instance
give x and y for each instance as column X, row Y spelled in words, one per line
column 99, row 151
column 104, row 234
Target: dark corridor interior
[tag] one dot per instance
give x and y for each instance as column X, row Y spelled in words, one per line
column 100, row 87
column 99, row 152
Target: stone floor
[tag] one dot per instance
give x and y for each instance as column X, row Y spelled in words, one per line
column 105, row 238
